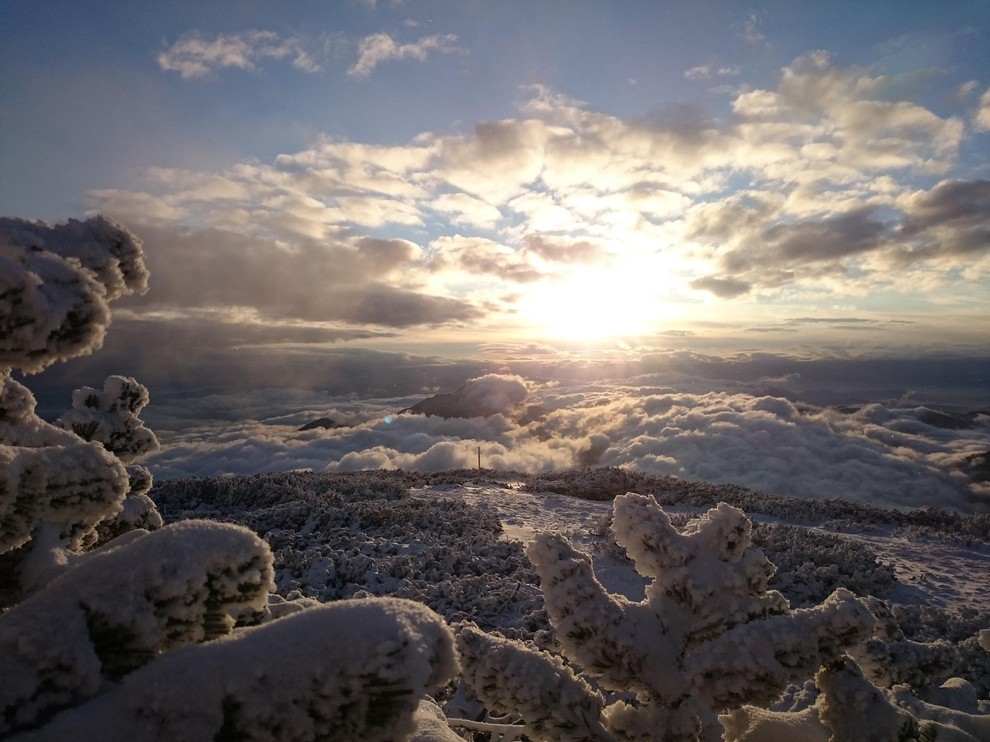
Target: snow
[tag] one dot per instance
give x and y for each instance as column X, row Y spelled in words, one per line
column 367, row 688
column 455, row 541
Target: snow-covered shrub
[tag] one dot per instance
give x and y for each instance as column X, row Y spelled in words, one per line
column 55, row 487
column 813, row 564
column 110, row 417
column 588, row 483
column 339, row 536
column 354, row 670
column 850, row 707
column 120, row 606
column 707, row 637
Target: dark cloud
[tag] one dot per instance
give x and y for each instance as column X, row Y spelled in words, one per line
column 830, row 238
column 481, row 257
column 724, row 288
column 360, row 283
column 498, row 265
column 392, row 307
column 564, row 251
column 951, row 219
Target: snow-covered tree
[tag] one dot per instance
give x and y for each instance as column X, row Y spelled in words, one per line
column 56, row 487
column 850, row 707
column 707, row 637
column 110, row 417
column 158, row 633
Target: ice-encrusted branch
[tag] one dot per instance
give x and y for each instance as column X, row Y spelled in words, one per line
column 110, row 416
column 753, row 663
column 622, row 643
column 553, row 702
column 75, row 486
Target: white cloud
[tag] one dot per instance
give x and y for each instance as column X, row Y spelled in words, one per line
column 981, row 119
column 380, row 47
column 878, row 455
column 821, row 198
column 467, row 210
column 196, row 55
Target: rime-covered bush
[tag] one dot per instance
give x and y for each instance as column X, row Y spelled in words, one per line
column 707, row 637
column 354, row 670
column 338, row 536
column 119, row 607
column 850, row 707
column 57, row 487
column 813, row 564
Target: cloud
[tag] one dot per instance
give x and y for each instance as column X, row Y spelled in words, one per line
column 480, row 257
column 350, row 281
column 195, row 55
column 724, row 288
column 879, row 454
column 499, row 392
column 820, row 183
column 701, row 72
column 981, row 119
column 951, row 218
column 466, row 210
column 380, row 47
column 564, row 251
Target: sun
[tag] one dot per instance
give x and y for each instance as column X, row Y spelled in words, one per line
column 593, row 305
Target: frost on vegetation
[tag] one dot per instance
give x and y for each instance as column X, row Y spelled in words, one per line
column 119, row 607
column 110, row 417
column 353, row 670
column 55, row 286
column 850, row 707
column 707, row 637
column 812, row 564
column 338, row 536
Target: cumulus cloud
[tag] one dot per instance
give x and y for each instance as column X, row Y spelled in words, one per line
column 563, row 250
column 480, row 257
column 499, row 392
column 824, row 196
column 380, row 47
column 196, row 55
column 951, row 218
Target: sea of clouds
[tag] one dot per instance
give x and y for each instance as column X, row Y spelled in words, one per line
column 883, row 454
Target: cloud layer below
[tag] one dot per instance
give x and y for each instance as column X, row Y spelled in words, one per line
column 885, row 455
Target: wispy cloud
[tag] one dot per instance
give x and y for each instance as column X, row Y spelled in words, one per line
column 380, row 47
column 196, row 55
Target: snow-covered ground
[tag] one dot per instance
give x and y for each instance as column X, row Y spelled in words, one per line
column 455, row 541
column 930, row 571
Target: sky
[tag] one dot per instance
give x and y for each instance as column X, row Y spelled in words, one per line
column 478, row 179
column 654, row 215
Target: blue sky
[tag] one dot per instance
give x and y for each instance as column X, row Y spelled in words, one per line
column 518, row 179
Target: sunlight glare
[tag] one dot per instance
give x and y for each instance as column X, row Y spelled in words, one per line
column 593, row 305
